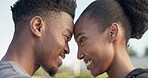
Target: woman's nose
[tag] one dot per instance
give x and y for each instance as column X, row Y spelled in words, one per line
column 80, row 54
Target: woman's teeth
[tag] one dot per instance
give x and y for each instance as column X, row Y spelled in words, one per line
column 89, row 62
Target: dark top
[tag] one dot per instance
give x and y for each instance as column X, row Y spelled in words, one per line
column 138, row 73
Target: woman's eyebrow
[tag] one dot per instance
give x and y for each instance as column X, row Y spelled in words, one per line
column 79, row 35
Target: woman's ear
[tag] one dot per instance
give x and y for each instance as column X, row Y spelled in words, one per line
column 36, row 25
column 113, row 31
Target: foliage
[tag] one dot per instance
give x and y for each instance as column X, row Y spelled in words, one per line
column 65, row 72
column 104, row 75
column 146, row 51
column 131, row 52
column 84, row 74
column 64, row 75
column 41, row 74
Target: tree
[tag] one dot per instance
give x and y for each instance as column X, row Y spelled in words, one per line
column 146, row 51
column 131, row 52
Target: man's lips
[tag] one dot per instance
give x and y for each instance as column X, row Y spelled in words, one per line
column 60, row 61
column 61, row 56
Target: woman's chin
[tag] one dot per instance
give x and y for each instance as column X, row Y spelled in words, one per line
column 94, row 74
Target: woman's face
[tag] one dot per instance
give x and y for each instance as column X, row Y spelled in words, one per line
column 94, row 47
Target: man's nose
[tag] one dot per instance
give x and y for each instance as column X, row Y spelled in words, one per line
column 66, row 49
column 80, row 54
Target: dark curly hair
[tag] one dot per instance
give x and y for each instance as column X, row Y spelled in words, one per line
column 27, row 8
column 137, row 12
column 132, row 14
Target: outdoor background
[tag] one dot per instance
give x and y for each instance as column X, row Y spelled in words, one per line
column 72, row 68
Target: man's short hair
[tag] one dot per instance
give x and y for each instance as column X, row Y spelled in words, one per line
column 27, row 8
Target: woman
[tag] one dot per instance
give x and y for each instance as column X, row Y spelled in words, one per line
column 102, row 33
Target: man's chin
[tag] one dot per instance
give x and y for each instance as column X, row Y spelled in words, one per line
column 52, row 71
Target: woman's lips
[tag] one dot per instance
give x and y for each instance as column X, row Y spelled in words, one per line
column 89, row 64
column 88, row 61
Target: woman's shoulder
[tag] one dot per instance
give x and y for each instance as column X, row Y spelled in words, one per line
column 143, row 75
column 138, row 73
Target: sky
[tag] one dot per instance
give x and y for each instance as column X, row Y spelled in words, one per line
column 7, row 30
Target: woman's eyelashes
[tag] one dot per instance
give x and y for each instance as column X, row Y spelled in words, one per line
column 81, row 40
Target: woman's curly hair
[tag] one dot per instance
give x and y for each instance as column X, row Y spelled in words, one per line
column 132, row 14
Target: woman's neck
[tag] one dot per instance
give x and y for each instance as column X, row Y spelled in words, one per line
column 121, row 64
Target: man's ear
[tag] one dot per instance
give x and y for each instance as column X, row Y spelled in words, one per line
column 113, row 31
column 36, row 25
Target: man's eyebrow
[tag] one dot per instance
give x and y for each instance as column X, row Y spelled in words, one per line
column 69, row 32
column 79, row 35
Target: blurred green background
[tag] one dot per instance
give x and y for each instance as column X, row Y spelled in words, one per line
column 68, row 71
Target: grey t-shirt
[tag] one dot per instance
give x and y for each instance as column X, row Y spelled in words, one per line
column 9, row 69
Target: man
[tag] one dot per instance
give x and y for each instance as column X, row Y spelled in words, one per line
column 42, row 31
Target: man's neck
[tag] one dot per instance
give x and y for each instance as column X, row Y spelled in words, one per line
column 20, row 52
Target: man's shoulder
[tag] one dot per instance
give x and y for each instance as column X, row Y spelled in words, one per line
column 12, row 70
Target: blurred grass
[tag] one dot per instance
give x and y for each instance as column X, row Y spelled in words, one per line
column 65, row 72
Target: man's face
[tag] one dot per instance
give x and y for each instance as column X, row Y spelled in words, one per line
column 53, row 44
